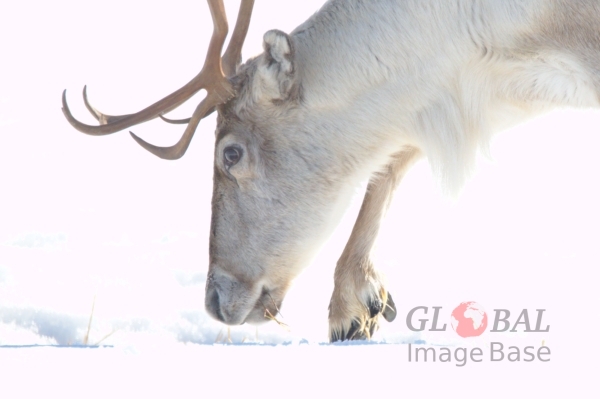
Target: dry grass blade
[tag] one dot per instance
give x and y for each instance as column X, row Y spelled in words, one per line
column 269, row 315
column 87, row 334
column 220, row 337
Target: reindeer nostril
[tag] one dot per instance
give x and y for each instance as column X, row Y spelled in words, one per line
column 214, row 306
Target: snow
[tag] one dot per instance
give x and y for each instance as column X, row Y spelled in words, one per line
column 88, row 221
column 251, row 371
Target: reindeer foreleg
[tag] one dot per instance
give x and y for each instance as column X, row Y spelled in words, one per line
column 359, row 297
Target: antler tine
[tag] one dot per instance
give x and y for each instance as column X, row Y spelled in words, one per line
column 114, row 124
column 211, row 78
column 175, row 121
column 104, row 119
column 233, row 55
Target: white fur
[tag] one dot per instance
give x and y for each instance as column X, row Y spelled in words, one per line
column 415, row 74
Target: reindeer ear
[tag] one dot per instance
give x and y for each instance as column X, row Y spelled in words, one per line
column 276, row 69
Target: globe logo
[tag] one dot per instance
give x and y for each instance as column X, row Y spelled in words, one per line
column 469, row 319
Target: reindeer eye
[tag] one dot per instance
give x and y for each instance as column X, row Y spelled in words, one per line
column 232, row 155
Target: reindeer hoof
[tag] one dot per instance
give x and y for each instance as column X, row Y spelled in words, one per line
column 364, row 327
column 389, row 312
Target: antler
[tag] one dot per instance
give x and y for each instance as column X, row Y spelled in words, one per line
column 211, row 78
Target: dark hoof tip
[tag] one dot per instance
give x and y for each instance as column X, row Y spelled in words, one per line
column 365, row 330
column 354, row 331
column 375, row 307
column 374, row 326
column 389, row 312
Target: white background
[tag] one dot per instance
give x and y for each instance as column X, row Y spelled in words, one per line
column 84, row 217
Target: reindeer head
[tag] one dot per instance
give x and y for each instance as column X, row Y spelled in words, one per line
column 263, row 179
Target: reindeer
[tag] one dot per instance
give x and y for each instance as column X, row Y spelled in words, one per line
column 361, row 90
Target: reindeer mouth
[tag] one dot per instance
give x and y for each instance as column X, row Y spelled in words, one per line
column 235, row 307
column 265, row 309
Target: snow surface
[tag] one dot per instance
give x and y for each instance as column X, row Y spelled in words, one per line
column 88, row 221
column 248, row 371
